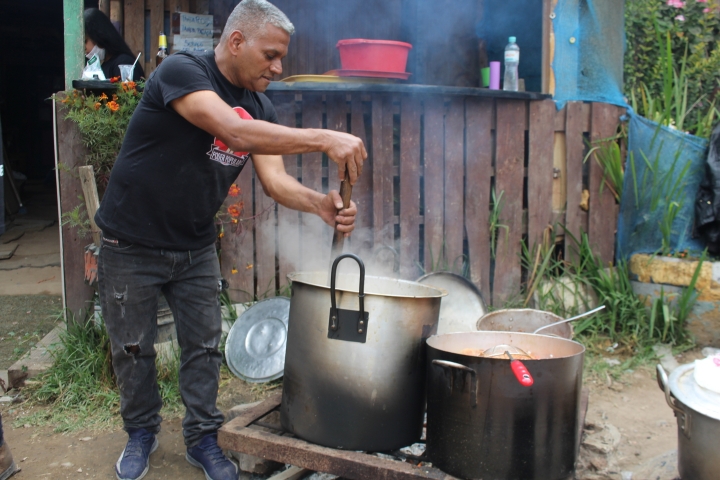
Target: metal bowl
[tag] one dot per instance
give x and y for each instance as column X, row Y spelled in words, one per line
column 524, row 320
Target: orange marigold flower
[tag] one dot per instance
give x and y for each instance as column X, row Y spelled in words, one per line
column 234, row 270
column 129, row 85
column 115, row 79
column 114, row 106
column 115, row 97
column 234, row 190
column 103, row 96
column 234, row 210
column 97, row 105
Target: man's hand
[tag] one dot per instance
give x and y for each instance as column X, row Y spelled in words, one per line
column 345, row 218
column 348, row 152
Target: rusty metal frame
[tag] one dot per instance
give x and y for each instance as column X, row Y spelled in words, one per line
column 239, row 435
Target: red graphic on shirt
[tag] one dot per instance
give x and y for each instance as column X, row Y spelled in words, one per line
column 219, row 152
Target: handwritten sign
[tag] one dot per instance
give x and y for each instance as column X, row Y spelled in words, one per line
column 182, row 43
column 192, row 25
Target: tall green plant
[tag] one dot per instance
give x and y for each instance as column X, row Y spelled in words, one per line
column 627, row 318
column 608, row 155
column 494, row 221
column 671, row 63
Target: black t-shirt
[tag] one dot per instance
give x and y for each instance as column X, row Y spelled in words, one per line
column 171, row 177
column 111, row 69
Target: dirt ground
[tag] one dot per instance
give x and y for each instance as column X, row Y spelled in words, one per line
column 630, row 415
column 634, row 405
column 26, row 319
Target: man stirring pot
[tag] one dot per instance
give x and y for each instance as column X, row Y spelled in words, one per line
column 201, row 118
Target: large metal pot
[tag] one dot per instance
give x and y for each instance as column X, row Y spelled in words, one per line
column 351, row 385
column 483, row 424
column 698, row 416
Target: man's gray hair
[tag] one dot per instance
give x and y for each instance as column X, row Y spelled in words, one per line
column 251, row 16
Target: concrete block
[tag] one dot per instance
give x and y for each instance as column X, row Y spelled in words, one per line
column 37, row 360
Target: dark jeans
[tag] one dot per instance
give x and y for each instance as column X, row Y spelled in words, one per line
column 2, row 437
column 131, row 278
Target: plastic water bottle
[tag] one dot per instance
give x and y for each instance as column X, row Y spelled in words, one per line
column 512, row 60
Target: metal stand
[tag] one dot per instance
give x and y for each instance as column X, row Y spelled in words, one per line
column 258, row 432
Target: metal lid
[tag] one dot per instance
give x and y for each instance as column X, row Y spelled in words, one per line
column 684, row 387
column 255, row 346
column 462, row 307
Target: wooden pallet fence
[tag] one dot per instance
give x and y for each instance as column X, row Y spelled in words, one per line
column 424, row 198
column 143, row 20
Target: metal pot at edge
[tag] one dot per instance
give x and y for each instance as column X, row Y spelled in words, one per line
column 698, row 417
column 482, row 424
column 352, row 394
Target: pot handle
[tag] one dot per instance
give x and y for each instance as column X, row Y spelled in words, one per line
column 473, row 377
column 334, row 313
column 682, row 416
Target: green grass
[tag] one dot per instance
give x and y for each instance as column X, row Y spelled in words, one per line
column 79, row 391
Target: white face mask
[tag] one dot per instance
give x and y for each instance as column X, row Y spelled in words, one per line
column 100, row 52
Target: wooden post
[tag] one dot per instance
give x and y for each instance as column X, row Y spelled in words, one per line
column 74, row 40
column 92, row 202
column 77, row 296
column 116, row 14
column 104, row 6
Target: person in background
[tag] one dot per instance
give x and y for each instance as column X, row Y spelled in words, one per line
column 200, row 120
column 102, row 37
column 7, row 465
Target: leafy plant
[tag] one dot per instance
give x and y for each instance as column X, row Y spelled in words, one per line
column 102, row 122
column 678, row 94
column 660, row 191
column 626, row 320
column 494, row 221
column 608, row 155
column 77, row 218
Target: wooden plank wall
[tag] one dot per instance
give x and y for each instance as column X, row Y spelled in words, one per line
column 425, row 193
column 137, row 14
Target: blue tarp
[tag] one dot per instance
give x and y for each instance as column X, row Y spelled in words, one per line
column 663, row 171
column 589, row 49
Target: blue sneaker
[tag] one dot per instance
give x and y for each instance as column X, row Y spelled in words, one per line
column 208, row 456
column 134, row 461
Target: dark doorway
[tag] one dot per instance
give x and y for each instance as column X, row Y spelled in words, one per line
column 31, row 70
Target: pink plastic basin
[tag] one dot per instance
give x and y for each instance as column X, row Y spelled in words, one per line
column 373, row 55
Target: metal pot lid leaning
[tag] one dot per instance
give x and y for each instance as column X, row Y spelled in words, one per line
column 463, row 305
column 684, row 387
column 255, row 346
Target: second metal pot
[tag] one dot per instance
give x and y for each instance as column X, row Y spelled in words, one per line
column 352, row 389
column 482, row 424
column 698, row 417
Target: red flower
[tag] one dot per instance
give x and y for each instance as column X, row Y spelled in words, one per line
column 234, row 190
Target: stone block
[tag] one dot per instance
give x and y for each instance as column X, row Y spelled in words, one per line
column 672, row 276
